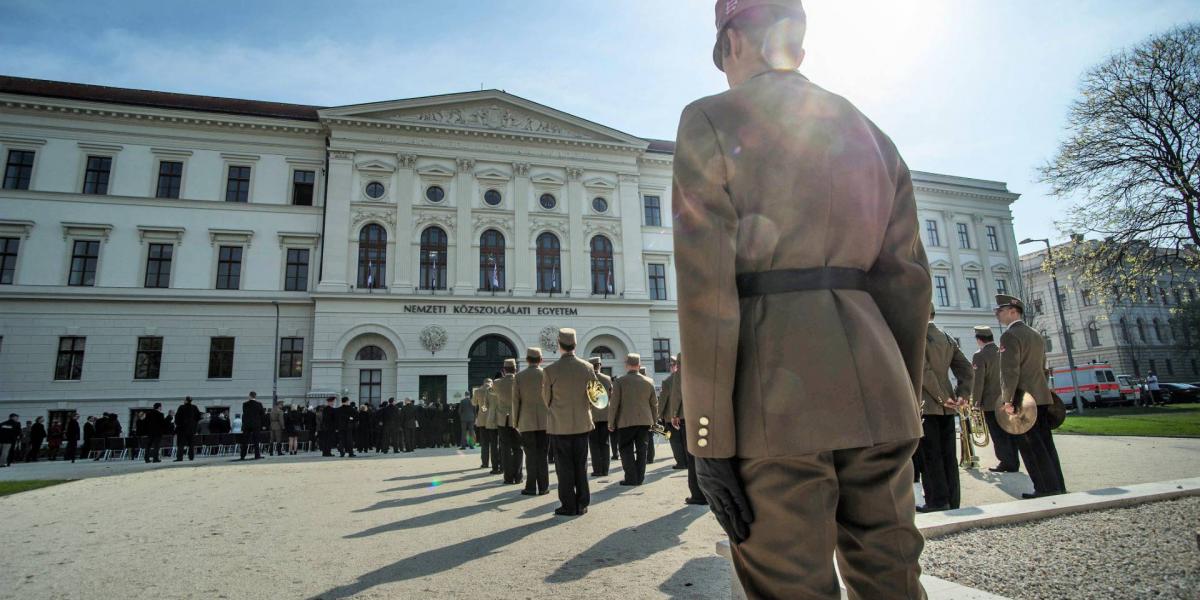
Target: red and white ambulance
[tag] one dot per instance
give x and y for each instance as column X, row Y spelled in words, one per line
column 1098, row 384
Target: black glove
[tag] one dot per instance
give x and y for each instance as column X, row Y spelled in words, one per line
column 718, row 479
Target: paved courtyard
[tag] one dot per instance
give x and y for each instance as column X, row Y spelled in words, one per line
column 428, row 524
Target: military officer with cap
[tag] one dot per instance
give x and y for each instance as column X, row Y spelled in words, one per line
column 491, row 422
column 678, row 424
column 569, row 422
column 678, row 443
column 511, row 455
column 530, row 411
column 633, row 407
column 985, row 393
column 1023, row 371
column 479, row 401
column 598, row 440
column 939, row 407
column 803, row 293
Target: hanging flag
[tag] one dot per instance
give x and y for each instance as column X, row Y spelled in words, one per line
column 554, row 278
column 495, row 274
column 610, row 279
column 370, row 275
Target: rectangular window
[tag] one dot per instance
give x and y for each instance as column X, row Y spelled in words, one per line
column 296, row 277
column 149, row 358
column 229, row 268
column 291, row 357
column 1001, row 286
column 220, row 358
column 964, row 236
column 18, row 170
column 931, row 228
column 943, row 290
column 237, row 186
column 1094, row 335
column 84, row 256
column 158, row 265
column 1038, row 307
column 95, row 178
column 662, row 355
column 993, row 239
column 658, row 281
column 70, row 359
column 303, row 183
column 1085, row 296
column 653, row 207
column 370, row 386
column 170, row 178
column 973, row 291
column 8, row 259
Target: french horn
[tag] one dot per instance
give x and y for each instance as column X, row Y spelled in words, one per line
column 597, row 395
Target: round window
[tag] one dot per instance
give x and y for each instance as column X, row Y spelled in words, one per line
column 548, row 201
column 599, row 204
column 492, row 198
column 375, row 190
column 435, row 193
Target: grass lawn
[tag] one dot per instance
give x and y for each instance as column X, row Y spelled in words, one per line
column 1172, row 420
column 14, row 487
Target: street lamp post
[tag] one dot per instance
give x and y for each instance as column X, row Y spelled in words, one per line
column 1062, row 320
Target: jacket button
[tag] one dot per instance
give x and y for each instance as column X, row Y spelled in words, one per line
column 703, row 432
column 704, row 421
column 702, row 442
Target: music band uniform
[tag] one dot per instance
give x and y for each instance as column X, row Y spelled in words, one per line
column 599, row 438
column 633, row 406
column 511, row 454
column 938, row 447
column 531, row 414
column 569, row 421
column 985, row 393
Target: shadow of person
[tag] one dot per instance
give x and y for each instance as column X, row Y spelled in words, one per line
column 428, row 475
column 430, row 479
column 628, row 545
column 1013, row 484
column 432, row 562
column 414, row 500
column 441, row 516
column 600, row 493
column 697, row 579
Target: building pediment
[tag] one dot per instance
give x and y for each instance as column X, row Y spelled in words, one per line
column 489, row 110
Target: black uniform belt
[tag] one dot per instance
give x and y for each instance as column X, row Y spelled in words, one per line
column 800, row 280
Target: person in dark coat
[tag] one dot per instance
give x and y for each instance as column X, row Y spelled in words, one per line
column 187, row 419
column 409, row 418
column 344, row 420
column 293, row 424
column 89, row 436
column 466, row 422
column 253, row 420
column 54, row 440
column 328, row 427
column 72, row 437
column 37, row 435
column 10, row 434
column 151, row 427
column 390, row 416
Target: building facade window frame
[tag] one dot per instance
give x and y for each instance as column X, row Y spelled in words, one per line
column 662, row 355
column 147, row 362
column 993, row 238
column 230, row 266
column 652, row 210
column 656, row 280
column 169, row 181
column 10, row 253
column 941, row 290
column 303, row 187
column 1141, row 329
column 603, row 264
column 69, row 363
column 491, row 261
column 296, row 269
column 291, row 357
column 97, row 174
column 435, row 246
column 964, row 236
column 159, row 259
column 221, row 352
column 932, row 234
column 18, row 168
column 84, row 262
column 1001, row 285
column 370, row 387
column 1093, row 335
column 372, row 271
column 1049, row 341
column 237, row 183
column 973, row 291
column 548, row 263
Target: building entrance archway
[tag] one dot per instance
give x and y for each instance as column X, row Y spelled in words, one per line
column 486, row 357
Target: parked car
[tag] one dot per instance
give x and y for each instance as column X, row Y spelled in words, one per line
column 1180, row 392
column 1130, row 391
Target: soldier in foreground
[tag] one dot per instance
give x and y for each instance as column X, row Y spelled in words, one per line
column 599, row 438
column 804, row 291
column 511, row 454
column 491, row 424
column 479, row 401
column 530, row 411
column 678, row 440
column 939, row 408
column 678, row 423
column 633, row 406
column 568, row 423
column 985, row 393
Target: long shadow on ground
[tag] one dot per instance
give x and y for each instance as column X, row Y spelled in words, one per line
column 1012, row 484
column 698, row 578
column 429, row 480
column 629, row 545
column 429, row 476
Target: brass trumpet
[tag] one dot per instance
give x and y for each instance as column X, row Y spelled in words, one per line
column 659, row 429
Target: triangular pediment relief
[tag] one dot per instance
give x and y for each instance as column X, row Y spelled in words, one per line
column 487, row 110
column 435, row 171
column 492, row 173
column 599, row 183
column 375, row 165
column 548, row 179
column 971, row 266
column 1001, row 269
column 940, row 264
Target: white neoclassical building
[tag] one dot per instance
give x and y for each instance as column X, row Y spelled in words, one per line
column 155, row 245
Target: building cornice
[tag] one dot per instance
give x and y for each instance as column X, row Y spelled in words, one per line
column 35, row 196
column 138, row 294
column 507, row 135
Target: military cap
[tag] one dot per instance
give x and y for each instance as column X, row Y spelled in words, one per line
column 1005, row 301
column 679, row 357
column 566, row 336
column 595, row 360
column 983, row 330
column 727, row 10
column 510, row 363
column 533, row 353
column 633, row 359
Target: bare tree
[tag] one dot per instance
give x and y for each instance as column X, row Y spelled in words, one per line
column 1132, row 164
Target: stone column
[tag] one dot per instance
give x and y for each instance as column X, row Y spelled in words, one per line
column 631, row 237
column 406, row 189
column 336, row 245
column 464, row 195
column 957, row 283
column 520, row 272
column 581, row 271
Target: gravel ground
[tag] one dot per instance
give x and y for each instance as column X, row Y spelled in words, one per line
column 1146, row 551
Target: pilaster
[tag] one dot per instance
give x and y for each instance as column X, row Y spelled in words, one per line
column 631, row 236
column 520, row 273
column 581, row 280
column 336, row 245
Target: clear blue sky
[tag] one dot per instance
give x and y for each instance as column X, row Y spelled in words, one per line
column 977, row 88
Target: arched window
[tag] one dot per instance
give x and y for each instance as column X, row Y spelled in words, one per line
column 1125, row 330
column 1141, row 327
column 549, row 263
column 370, row 353
column 372, row 257
column 433, row 259
column 1093, row 334
column 604, row 352
column 602, row 266
column 1049, row 342
column 1160, row 332
column 491, row 261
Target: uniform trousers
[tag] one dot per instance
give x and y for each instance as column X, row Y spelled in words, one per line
column 410, row 439
column 392, row 439
column 939, row 477
column 1003, row 443
column 537, row 469
column 485, row 448
column 649, row 445
column 855, row 504
column 72, row 450
column 346, row 441
column 1041, row 457
column 494, row 449
column 276, row 441
column 513, row 455
column 689, row 460
column 466, row 435
column 5, row 454
column 153, row 447
column 245, row 440
column 633, row 453
column 598, row 447
column 185, row 441
column 570, row 468
column 678, row 445
column 615, row 442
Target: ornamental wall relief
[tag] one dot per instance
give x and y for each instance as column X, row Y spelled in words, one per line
column 493, row 116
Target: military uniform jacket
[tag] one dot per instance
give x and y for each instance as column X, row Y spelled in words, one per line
column 490, row 399
column 1023, row 364
column 985, row 387
column 466, row 411
column 565, row 391
column 778, row 173
column 664, row 397
column 528, row 405
column 276, row 418
column 674, row 407
column 479, row 400
column 505, row 392
column 633, row 402
column 600, row 415
column 941, row 357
